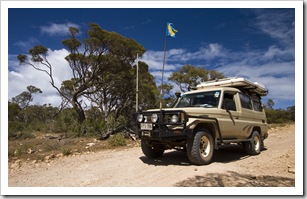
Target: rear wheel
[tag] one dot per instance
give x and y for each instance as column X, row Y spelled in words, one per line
column 150, row 151
column 200, row 148
column 254, row 146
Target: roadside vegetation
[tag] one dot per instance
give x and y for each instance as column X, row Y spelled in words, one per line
column 41, row 133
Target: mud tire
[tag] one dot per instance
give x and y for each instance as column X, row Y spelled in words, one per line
column 255, row 145
column 200, row 148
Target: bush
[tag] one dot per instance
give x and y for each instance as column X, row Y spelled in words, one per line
column 14, row 127
column 117, row 140
column 280, row 115
column 66, row 151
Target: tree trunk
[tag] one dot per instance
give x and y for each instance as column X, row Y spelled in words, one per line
column 79, row 109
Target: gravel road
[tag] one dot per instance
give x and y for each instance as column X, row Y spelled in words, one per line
column 231, row 167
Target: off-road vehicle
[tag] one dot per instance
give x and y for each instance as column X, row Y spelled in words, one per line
column 213, row 113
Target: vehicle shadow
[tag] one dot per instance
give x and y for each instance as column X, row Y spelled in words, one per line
column 169, row 158
column 225, row 154
column 229, row 153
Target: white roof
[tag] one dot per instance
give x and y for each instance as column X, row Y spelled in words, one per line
column 236, row 82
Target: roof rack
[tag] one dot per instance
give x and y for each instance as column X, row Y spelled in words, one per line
column 236, row 82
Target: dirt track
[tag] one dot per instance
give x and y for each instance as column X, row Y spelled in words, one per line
column 231, row 167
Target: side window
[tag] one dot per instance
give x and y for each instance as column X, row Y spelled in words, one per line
column 257, row 105
column 228, row 102
column 245, row 101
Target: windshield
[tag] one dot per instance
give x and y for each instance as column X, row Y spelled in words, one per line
column 208, row 99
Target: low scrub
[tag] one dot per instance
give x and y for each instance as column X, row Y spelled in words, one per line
column 117, row 140
column 66, row 151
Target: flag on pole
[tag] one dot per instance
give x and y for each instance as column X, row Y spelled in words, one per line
column 170, row 30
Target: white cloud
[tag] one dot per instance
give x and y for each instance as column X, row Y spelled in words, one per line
column 57, row 29
column 268, row 69
column 274, row 51
column 277, row 77
column 208, row 52
column 154, row 60
column 158, row 76
column 24, row 75
column 176, row 58
column 212, row 51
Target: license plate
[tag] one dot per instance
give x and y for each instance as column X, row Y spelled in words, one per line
column 146, row 126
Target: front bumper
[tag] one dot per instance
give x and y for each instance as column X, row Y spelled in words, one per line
column 163, row 129
column 159, row 134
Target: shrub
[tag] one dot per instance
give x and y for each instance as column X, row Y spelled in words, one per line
column 14, row 127
column 18, row 152
column 117, row 140
column 66, row 151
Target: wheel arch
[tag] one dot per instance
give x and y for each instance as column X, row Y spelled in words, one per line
column 211, row 126
column 205, row 125
column 256, row 128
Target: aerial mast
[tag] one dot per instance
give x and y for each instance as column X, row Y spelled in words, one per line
column 137, row 84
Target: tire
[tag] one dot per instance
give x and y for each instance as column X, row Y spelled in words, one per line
column 200, row 148
column 149, row 151
column 255, row 145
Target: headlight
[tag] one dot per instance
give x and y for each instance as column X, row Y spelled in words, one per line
column 154, row 118
column 174, row 119
column 140, row 118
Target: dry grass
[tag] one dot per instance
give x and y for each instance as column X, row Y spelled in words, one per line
column 279, row 125
column 41, row 146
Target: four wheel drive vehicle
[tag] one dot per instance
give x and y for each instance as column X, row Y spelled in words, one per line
column 212, row 114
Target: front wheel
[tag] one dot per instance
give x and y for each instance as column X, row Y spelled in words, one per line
column 150, row 151
column 254, row 146
column 200, row 148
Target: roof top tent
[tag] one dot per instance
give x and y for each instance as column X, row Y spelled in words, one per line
column 237, row 82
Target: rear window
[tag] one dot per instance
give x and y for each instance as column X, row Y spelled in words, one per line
column 257, row 105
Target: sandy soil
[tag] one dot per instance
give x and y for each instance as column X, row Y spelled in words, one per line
column 231, row 167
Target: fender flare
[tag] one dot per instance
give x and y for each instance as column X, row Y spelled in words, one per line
column 206, row 120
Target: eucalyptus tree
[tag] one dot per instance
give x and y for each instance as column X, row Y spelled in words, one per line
column 189, row 75
column 99, row 53
column 24, row 98
column 148, row 91
column 116, row 95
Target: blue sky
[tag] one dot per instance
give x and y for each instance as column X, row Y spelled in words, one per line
column 257, row 44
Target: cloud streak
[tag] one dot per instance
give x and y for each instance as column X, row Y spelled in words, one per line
column 277, row 24
column 55, row 29
column 26, row 45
